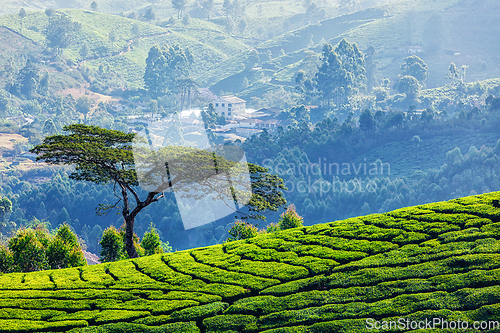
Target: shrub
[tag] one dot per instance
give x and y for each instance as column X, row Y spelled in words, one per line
column 6, row 260
column 242, row 230
column 230, row 322
column 151, row 241
column 64, row 250
column 112, row 245
column 290, row 219
column 28, row 248
column 272, row 227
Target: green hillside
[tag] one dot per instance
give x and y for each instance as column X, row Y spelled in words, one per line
column 434, row 260
column 127, row 55
column 440, row 32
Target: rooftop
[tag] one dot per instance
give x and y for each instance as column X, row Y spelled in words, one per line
column 232, row 99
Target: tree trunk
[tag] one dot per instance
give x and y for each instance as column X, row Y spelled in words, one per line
column 129, row 237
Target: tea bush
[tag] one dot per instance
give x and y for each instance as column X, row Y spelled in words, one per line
column 435, row 260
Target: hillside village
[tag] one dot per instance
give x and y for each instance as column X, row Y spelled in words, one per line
column 241, row 122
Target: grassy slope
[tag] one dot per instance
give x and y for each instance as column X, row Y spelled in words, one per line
column 209, row 44
column 440, row 28
column 435, row 260
column 404, row 158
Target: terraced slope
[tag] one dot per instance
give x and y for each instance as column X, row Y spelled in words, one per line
column 127, row 55
column 436, row 260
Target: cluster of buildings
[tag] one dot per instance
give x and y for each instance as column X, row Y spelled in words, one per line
column 243, row 122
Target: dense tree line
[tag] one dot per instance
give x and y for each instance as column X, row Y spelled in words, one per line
column 331, row 141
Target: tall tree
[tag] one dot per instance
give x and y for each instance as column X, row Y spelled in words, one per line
column 22, row 15
column 207, row 7
column 136, row 31
column 453, row 72
column 49, row 128
column 84, row 51
column 366, row 121
column 94, row 6
column 416, row 67
column 371, row 68
column 341, row 71
column 27, row 81
column 179, row 5
column 49, row 12
column 105, row 156
column 409, row 86
column 61, row 32
column 150, row 14
column 112, row 38
column 165, row 66
column 228, row 7
column 237, row 9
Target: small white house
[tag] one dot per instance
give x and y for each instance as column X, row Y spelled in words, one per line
column 229, row 106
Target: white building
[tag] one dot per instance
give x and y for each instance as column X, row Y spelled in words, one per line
column 229, row 106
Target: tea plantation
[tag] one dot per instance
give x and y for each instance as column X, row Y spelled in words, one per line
column 436, row 260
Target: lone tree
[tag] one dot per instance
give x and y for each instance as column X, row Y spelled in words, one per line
column 105, row 156
column 416, row 67
column 22, row 15
column 94, row 6
column 409, row 85
column 207, row 7
column 61, row 32
column 179, row 5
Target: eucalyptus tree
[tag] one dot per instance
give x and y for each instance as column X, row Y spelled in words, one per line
column 341, row 72
column 165, row 67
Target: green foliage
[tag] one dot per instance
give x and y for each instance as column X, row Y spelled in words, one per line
column 6, row 260
column 111, row 245
column 5, row 208
column 61, row 31
column 28, row 248
column 35, row 249
column 165, row 67
column 64, row 250
column 341, row 73
column 267, row 195
column 290, row 219
column 409, row 85
column 105, row 156
column 440, row 259
column 98, row 143
column 231, row 322
column 367, row 121
column 242, row 230
column 151, row 241
column 416, row 67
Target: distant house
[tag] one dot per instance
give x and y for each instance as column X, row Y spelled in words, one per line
column 229, row 106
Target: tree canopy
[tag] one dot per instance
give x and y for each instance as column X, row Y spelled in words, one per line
column 165, row 67
column 179, row 5
column 409, row 85
column 341, row 71
column 416, row 67
column 107, row 156
column 61, row 31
